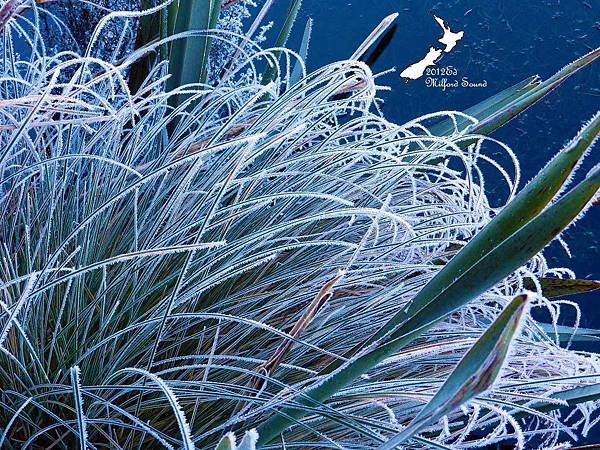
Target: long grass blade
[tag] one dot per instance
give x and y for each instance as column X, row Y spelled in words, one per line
column 560, row 287
column 522, row 209
column 81, row 419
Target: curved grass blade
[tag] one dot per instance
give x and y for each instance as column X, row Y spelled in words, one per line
column 255, row 24
column 303, row 52
column 186, row 432
column 532, row 199
column 474, row 374
column 12, row 420
column 282, row 38
column 146, row 33
column 467, row 283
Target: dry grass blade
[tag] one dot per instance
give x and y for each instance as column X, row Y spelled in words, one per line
column 313, row 309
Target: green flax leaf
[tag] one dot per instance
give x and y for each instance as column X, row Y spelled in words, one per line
column 188, row 58
column 474, row 374
column 558, row 287
column 282, row 38
column 303, row 52
column 570, row 334
column 488, row 264
column 507, row 112
column 497, row 110
column 521, row 210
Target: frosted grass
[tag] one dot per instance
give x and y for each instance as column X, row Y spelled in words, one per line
column 148, row 276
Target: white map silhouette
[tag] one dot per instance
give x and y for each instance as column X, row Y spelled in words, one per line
column 417, row 69
column 449, row 39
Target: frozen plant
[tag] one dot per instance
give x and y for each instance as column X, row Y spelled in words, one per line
column 172, row 277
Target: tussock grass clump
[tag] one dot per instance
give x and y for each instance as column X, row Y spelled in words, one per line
column 172, row 274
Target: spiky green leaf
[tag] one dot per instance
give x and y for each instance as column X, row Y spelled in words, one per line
column 456, row 285
column 474, row 374
column 523, row 208
column 495, row 119
column 497, row 110
column 489, row 106
column 284, row 34
column 559, row 287
column 303, row 52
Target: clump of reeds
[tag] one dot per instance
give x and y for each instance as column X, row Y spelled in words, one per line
column 271, row 255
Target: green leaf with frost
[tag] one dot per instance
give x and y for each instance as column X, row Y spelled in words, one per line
column 227, row 442
column 188, row 57
column 248, row 442
column 495, row 119
column 528, row 203
column 487, row 107
column 568, row 398
column 497, row 110
column 303, row 52
column 567, row 333
column 559, row 287
column 474, row 374
column 284, row 34
column 485, row 261
column 373, row 36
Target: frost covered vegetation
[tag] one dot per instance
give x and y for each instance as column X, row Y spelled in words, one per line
column 266, row 252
